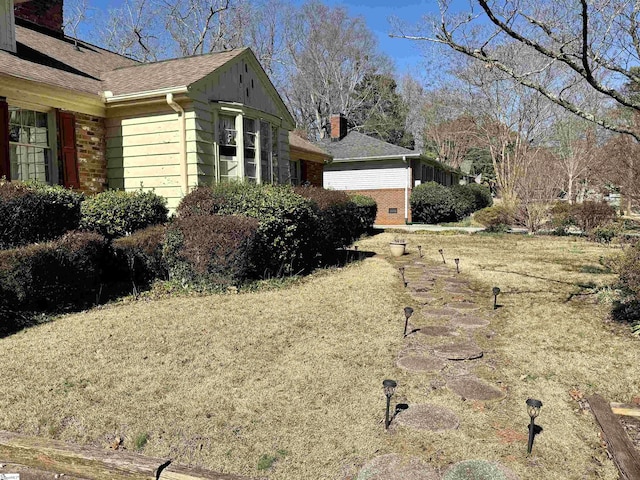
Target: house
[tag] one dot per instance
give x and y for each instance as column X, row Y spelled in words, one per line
column 75, row 114
column 387, row 173
column 307, row 160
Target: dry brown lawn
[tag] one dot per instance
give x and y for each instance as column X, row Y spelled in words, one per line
column 290, row 380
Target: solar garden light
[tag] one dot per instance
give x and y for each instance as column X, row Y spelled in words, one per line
column 401, row 269
column 389, row 388
column 408, row 311
column 442, row 253
column 420, row 250
column 457, row 260
column 496, row 292
column 533, row 409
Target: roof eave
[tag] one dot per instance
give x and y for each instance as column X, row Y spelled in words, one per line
column 110, row 98
column 378, row 157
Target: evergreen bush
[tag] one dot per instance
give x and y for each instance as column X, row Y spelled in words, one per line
column 116, row 213
column 432, row 203
column 34, row 212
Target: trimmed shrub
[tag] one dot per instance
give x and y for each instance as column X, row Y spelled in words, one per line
column 287, row 231
column 212, row 250
column 116, row 213
column 604, row 233
column 53, row 276
column 495, row 219
column 366, row 211
column 464, row 201
column 482, row 196
column 432, row 203
column 33, row 212
column 140, row 257
column 589, row 215
column 338, row 225
column 561, row 218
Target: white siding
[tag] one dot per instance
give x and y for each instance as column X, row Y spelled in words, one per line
column 7, row 26
column 365, row 175
column 143, row 151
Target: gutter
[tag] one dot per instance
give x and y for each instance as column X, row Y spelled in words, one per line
column 381, row 157
column 184, row 178
column 109, row 97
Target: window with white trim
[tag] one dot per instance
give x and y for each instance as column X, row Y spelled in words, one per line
column 250, row 144
column 227, row 141
column 30, row 153
column 266, row 171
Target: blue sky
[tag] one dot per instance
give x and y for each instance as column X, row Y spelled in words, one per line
column 405, row 53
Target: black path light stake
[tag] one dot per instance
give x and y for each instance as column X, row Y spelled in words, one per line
column 533, row 409
column 457, row 260
column 496, row 292
column 441, row 252
column 420, row 250
column 389, row 388
column 408, row 311
column 402, row 273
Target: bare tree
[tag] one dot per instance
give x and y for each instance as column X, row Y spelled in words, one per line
column 592, row 42
column 329, row 54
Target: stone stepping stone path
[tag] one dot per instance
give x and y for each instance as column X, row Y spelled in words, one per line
column 458, row 351
column 428, row 417
column 456, row 281
column 423, row 296
column 469, row 321
column 395, row 467
column 464, row 305
column 440, row 312
column 456, row 290
column 415, row 363
column 472, row 388
column 437, row 331
column 478, row 470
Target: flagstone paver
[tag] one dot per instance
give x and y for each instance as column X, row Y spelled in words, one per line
column 437, row 331
column 416, row 363
column 428, row 417
column 458, row 351
column 469, row 321
column 462, row 305
column 439, row 312
column 472, row 388
column 478, row 469
column 395, row 467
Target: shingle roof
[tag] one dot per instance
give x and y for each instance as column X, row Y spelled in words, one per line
column 167, row 73
column 297, row 142
column 56, row 61
column 356, row 145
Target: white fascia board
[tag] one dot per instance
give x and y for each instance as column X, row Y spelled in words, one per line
column 126, row 97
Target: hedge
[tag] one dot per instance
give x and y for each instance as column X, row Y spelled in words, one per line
column 116, row 213
column 366, row 210
column 287, row 222
column 432, row 203
column 212, row 250
column 33, row 212
column 53, row 276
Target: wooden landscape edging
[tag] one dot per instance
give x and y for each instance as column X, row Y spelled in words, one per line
column 94, row 463
column 625, row 456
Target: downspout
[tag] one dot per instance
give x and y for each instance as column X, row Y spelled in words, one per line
column 184, row 179
column 406, row 191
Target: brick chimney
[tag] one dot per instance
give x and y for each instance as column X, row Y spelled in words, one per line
column 338, row 127
column 45, row 13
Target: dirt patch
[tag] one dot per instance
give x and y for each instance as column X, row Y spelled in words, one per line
column 459, row 351
column 473, row 388
column 395, row 467
column 428, row 417
column 469, row 321
column 421, row 364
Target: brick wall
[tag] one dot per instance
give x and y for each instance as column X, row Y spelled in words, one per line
column 388, row 199
column 91, row 148
column 312, row 172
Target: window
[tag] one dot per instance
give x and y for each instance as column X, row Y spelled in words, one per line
column 275, row 162
column 227, row 136
column 294, row 172
column 249, row 130
column 30, row 153
column 266, row 171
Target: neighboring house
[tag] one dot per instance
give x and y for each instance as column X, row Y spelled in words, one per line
column 307, row 160
column 78, row 115
column 385, row 172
